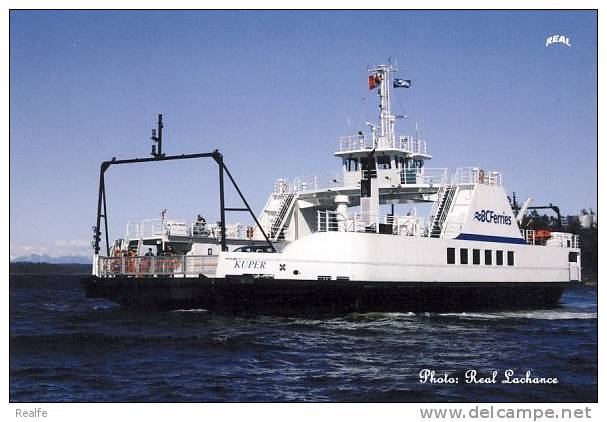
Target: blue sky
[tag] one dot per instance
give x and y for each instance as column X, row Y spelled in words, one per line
column 273, row 91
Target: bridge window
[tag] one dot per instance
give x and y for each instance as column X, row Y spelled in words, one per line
column 510, row 258
column 463, row 256
column 572, row 256
column 476, row 256
column 488, row 254
column 499, row 257
column 383, row 162
column 351, row 164
column 450, row 255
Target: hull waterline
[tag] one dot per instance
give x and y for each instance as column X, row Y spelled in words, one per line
column 259, row 296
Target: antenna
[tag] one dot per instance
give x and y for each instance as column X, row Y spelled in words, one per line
column 157, row 138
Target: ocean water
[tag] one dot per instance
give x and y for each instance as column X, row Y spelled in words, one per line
column 66, row 348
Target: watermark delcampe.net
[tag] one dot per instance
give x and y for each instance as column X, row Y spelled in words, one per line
column 558, row 39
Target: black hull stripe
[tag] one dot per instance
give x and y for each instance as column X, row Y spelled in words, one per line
column 245, row 295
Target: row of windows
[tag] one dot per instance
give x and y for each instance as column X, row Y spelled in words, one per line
column 383, row 163
column 476, row 257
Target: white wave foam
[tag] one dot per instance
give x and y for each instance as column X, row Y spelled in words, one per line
column 191, row 310
column 553, row 314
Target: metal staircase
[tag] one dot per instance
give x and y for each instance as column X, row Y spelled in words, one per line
column 279, row 219
column 440, row 209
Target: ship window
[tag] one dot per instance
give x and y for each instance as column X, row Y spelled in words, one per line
column 499, row 257
column 476, row 256
column 463, row 256
column 383, row 162
column 324, row 277
column 351, row 164
column 510, row 258
column 488, row 253
column 572, row 256
column 210, row 251
column 450, row 255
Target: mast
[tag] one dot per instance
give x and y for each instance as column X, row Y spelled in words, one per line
column 383, row 76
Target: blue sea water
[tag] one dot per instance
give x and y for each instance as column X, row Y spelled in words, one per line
column 66, row 348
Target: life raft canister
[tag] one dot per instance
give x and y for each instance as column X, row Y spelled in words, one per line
column 543, row 234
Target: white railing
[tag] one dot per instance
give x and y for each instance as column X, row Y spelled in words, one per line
column 332, row 221
column 145, row 229
column 401, row 225
column 162, row 228
column 423, row 176
column 354, row 142
column 529, row 236
column 556, row 239
column 410, row 144
column 473, row 175
column 140, row 266
column 408, row 225
column 316, row 182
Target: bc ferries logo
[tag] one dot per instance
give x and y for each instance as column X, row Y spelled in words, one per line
column 489, row 216
column 561, row 39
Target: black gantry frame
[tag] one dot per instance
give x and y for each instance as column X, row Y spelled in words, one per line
column 215, row 155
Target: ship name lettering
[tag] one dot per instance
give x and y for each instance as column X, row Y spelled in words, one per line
column 250, row 264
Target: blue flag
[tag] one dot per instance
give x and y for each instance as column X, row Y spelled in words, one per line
column 401, row 83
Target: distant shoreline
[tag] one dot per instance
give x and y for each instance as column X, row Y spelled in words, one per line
column 32, row 268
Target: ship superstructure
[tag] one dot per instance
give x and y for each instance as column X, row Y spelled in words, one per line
column 322, row 242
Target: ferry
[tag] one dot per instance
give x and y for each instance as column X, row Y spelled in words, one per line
column 322, row 245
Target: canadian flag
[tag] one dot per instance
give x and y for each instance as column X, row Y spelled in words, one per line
column 373, row 81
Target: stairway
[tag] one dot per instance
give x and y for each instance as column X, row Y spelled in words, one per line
column 444, row 202
column 279, row 219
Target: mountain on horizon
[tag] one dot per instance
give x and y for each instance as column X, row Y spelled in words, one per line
column 35, row 258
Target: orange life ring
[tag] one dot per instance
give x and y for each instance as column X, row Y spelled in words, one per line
column 481, row 176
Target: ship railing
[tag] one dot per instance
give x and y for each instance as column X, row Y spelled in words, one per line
column 145, row 229
column 475, row 175
column 316, row 182
column 139, row 266
column 399, row 225
column 413, row 145
column 333, row 221
column 529, row 236
column 354, row 143
column 423, row 176
column 556, row 239
column 359, row 142
column 162, row 228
